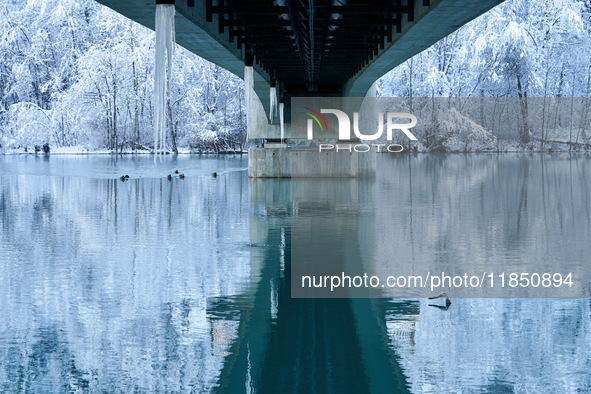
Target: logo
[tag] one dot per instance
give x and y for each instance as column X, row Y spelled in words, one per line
column 316, row 116
column 393, row 124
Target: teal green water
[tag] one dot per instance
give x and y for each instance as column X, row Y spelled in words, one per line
column 183, row 285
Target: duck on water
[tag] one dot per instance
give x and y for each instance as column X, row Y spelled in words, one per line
column 442, row 295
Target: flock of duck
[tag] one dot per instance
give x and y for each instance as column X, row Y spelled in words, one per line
column 169, row 176
column 182, row 176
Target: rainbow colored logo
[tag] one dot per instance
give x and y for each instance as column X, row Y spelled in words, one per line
column 317, row 117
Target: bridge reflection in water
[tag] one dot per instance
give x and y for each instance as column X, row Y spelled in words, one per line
column 285, row 344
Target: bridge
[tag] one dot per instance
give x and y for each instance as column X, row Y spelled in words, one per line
column 305, row 48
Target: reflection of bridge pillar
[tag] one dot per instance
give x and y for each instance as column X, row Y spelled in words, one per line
column 306, row 344
column 243, row 367
column 284, row 344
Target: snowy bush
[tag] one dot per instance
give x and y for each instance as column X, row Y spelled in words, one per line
column 458, row 133
column 27, row 125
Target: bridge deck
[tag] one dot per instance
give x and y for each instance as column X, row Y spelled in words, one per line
column 311, row 47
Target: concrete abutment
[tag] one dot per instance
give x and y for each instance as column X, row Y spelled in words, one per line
column 302, row 163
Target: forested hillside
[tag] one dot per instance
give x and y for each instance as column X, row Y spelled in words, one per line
column 75, row 73
column 527, row 49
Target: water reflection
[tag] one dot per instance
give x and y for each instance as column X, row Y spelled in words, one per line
column 494, row 345
column 468, row 216
column 105, row 284
column 152, row 285
column 487, row 213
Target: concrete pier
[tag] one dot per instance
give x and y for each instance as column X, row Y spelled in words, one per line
column 309, row 163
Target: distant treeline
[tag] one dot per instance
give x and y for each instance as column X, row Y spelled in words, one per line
column 523, row 49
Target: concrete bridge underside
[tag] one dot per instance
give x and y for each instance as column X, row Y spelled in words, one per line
column 306, row 48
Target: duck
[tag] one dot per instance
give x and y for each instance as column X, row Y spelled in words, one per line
column 169, row 177
column 214, row 174
column 126, row 176
column 182, row 176
column 176, row 171
column 443, row 295
column 122, row 177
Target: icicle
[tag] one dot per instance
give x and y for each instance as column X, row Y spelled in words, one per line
column 281, row 120
column 162, row 71
column 248, row 92
column 273, row 103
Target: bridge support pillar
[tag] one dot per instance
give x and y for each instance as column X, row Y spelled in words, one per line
column 302, row 163
column 276, row 160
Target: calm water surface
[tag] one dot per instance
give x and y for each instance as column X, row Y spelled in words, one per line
column 151, row 285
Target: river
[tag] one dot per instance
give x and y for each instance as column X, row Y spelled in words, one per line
column 183, row 285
